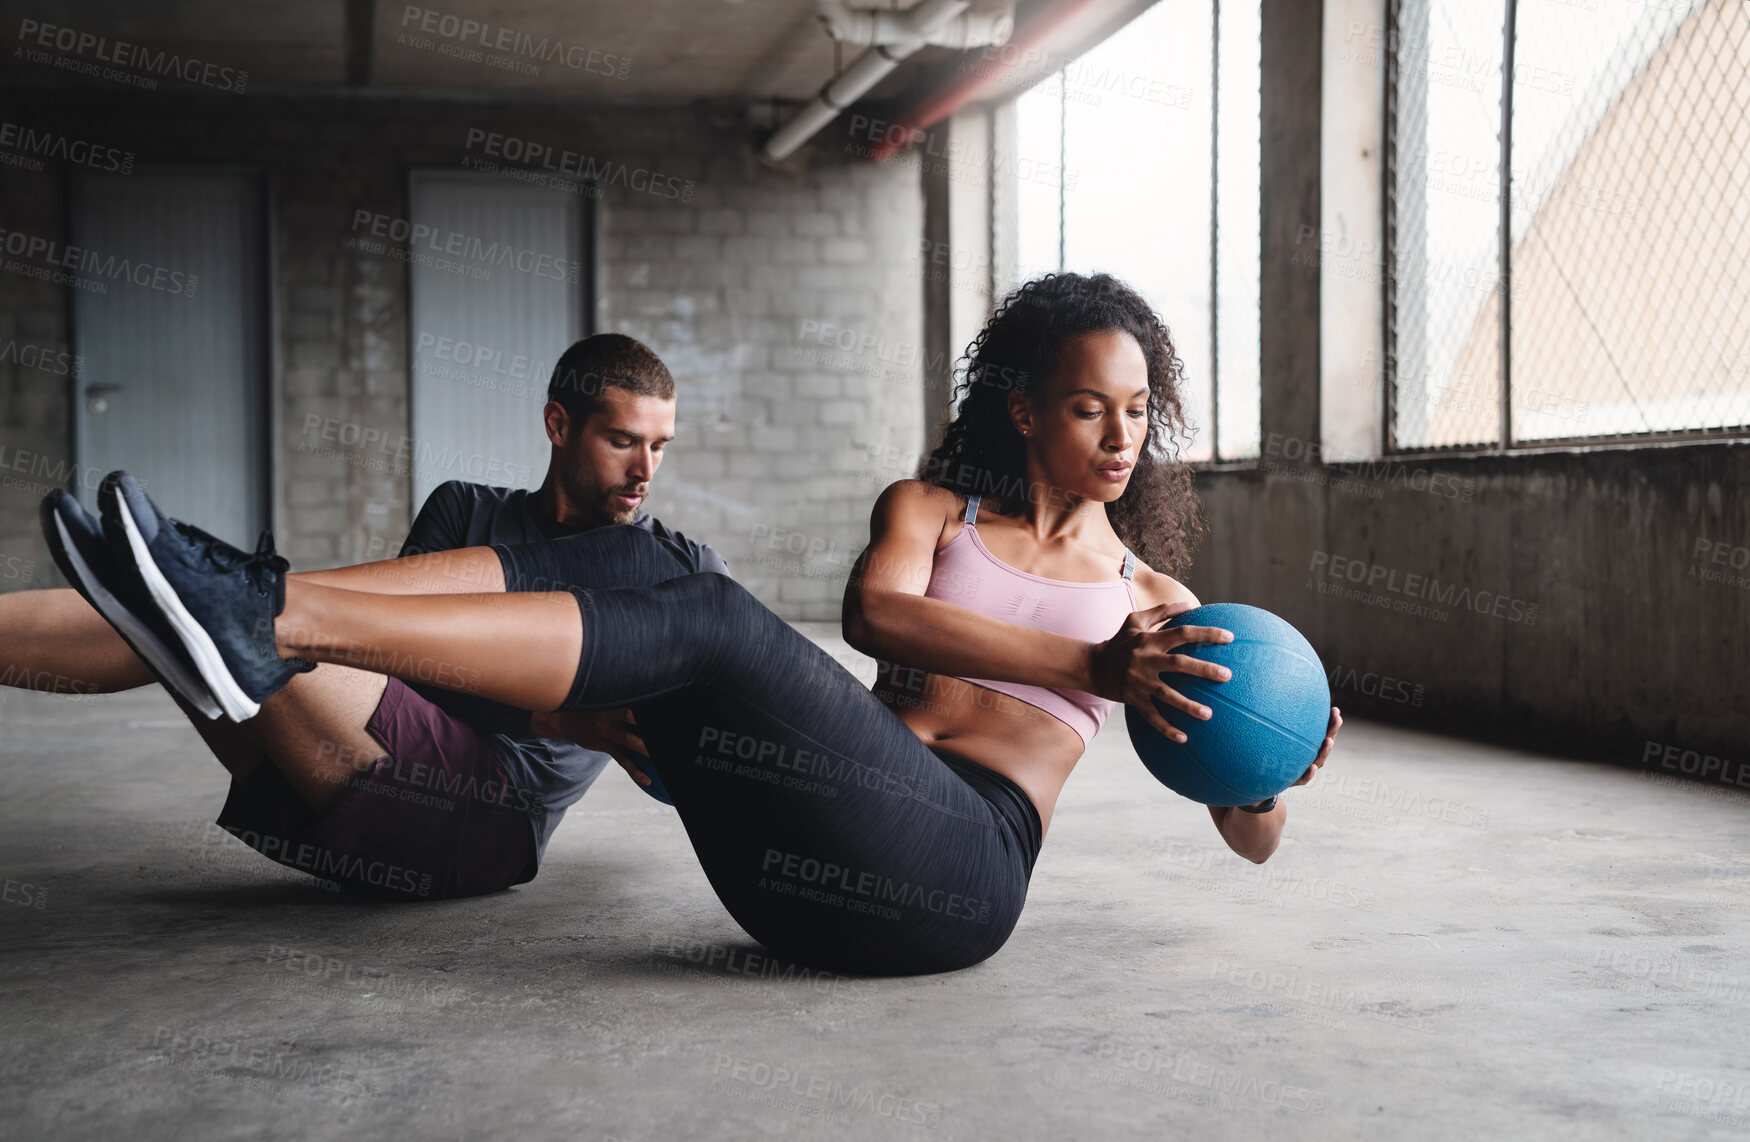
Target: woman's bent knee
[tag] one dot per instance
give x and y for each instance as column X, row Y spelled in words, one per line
column 619, row 555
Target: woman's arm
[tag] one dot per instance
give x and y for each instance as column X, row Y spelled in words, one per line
column 1256, row 835
column 888, row 616
column 1252, row 835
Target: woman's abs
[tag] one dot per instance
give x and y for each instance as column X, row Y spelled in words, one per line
column 1030, row 747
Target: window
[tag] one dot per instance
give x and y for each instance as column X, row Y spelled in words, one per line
column 1621, row 233
column 1127, row 165
column 174, row 349
column 498, row 291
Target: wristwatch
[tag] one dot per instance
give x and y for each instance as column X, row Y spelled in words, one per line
column 1261, row 807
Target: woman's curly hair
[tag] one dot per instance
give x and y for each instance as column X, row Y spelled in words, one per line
column 1158, row 516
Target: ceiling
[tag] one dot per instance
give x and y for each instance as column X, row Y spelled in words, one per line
column 644, row 49
column 633, row 50
column 637, row 51
column 627, row 52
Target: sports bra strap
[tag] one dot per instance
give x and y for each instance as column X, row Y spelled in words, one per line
column 972, row 520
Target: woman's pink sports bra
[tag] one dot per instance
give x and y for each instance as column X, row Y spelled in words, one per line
column 967, row 574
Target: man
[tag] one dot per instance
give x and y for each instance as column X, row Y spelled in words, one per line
column 352, row 776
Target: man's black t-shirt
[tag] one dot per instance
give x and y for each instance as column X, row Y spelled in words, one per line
column 459, row 514
column 554, row 774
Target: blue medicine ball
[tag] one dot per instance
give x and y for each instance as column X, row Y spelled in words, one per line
column 1266, row 723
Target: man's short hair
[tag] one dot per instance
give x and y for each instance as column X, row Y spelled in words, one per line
column 594, row 363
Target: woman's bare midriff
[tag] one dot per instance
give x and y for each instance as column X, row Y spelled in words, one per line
column 998, row 731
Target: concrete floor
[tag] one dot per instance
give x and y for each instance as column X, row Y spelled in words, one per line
column 1454, row 941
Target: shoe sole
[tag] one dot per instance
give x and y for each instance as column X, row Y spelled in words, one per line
column 138, row 635
column 238, row 706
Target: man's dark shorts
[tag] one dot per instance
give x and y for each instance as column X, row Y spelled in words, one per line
column 434, row 818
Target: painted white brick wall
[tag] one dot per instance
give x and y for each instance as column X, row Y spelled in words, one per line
column 774, row 429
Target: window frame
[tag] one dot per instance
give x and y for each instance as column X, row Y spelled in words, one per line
column 1215, row 461
column 1505, row 443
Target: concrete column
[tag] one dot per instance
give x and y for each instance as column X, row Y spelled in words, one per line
column 1288, row 295
column 1352, row 293
column 938, row 290
column 970, row 174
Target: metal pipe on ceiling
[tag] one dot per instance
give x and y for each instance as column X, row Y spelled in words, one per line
column 910, row 30
column 984, row 22
column 910, row 125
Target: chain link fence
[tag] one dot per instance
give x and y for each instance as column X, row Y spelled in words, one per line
column 1444, row 220
column 1629, row 212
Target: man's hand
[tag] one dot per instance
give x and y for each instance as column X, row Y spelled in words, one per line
column 613, row 732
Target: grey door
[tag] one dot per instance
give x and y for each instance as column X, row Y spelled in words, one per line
column 498, row 293
column 170, row 318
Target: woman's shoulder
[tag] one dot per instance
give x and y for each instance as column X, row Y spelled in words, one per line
column 914, row 512
column 913, row 490
column 1156, row 587
column 917, row 499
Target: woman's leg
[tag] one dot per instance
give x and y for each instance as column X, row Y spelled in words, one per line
column 828, row 830
column 614, row 556
column 826, row 827
column 518, row 649
column 500, row 642
column 464, row 570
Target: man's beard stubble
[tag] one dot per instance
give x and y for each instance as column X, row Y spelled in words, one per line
column 597, row 502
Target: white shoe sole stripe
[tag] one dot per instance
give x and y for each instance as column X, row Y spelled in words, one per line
column 238, row 706
column 144, row 640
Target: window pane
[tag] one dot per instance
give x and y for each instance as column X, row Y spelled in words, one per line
column 1037, row 174
column 1631, row 139
column 1236, row 233
column 1135, row 180
column 174, row 381
column 1446, row 223
column 471, row 418
column 1137, row 177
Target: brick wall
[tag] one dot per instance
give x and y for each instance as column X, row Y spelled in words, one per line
column 35, row 452
column 786, row 302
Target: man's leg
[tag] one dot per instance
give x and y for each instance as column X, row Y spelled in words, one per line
column 313, row 731
column 307, row 788
column 54, row 641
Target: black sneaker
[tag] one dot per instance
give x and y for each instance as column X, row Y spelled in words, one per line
column 76, row 541
column 219, row 601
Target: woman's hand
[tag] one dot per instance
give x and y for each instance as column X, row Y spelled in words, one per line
column 1324, row 750
column 1127, row 667
column 613, row 732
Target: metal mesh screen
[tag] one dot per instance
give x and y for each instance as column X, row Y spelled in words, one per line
column 1446, row 203
column 1631, row 233
column 1630, row 220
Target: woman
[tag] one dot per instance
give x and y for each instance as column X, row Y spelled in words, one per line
column 833, row 828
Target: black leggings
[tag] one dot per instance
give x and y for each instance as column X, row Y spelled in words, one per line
column 828, row 830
